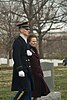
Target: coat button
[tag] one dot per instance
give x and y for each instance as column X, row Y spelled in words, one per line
column 29, row 66
column 28, row 59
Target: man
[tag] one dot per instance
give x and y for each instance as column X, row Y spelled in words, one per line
column 22, row 76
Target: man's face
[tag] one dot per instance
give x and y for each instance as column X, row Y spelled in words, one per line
column 25, row 32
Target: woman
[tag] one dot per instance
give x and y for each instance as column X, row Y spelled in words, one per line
column 41, row 88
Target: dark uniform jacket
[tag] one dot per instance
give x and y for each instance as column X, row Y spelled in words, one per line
column 41, row 88
column 21, row 62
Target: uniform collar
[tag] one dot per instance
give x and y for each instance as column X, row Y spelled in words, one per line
column 23, row 37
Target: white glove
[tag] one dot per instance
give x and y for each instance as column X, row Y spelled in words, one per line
column 21, row 74
column 29, row 53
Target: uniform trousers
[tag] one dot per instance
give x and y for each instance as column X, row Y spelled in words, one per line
column 24, row 95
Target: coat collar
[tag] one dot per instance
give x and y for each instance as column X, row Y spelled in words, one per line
column 23, row 37
column 36, row 54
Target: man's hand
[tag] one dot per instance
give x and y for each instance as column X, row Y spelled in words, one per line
column 21, row 73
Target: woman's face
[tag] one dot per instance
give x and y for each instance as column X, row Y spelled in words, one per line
column 33, row 42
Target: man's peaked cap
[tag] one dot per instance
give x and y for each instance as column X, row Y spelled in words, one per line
column 23, row 25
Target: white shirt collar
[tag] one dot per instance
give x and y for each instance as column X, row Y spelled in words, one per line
column 23, row 37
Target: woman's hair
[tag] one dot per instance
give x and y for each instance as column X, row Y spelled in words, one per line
column 30, row 37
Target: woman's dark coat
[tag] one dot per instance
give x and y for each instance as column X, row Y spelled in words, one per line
column 41, row 88
column 21, row 62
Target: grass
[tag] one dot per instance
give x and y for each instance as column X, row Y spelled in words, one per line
column 5, row 85
column 60, row 83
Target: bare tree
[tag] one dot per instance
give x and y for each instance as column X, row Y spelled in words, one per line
column 45, row 15
column 8, row 20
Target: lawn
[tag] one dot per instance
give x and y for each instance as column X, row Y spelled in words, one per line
column 60, row 76
column 5, row 85
column 61, row 81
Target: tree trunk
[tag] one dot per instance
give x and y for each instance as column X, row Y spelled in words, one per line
column 8, row 59
column 40, row 48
